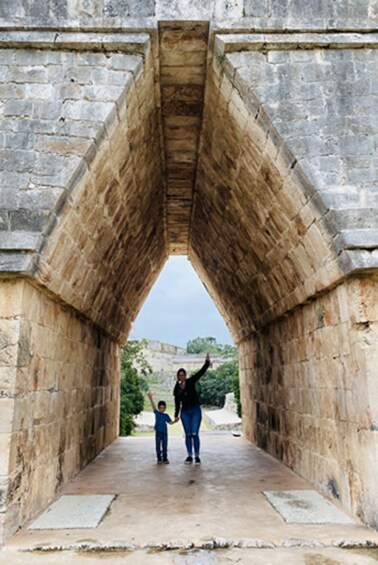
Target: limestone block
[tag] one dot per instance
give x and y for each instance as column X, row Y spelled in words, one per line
column 51, row 152
column 23, row 417
column 42, row 487
column 5, row 442
column 9, row 336
column 6, row 415
column 363, row 303
column 309, row 267
column 238, row 109
column 8, row 379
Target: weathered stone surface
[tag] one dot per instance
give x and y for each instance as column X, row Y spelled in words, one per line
column 256, row 90
column 247, row 13
column 112, row 157
column 165, row 360
column 281, row 243
column 58, row 398
column 100, row 121
column 318, row 104
column 183, row 52
column 308, row 393
column 286, row 94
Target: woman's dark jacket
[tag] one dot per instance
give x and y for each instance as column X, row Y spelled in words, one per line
column 188, row 397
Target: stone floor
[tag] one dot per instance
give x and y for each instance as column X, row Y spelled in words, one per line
column 223, row 419
column 190, row 510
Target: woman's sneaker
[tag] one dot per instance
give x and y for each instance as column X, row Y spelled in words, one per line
column 197, row 460
column 188, row 460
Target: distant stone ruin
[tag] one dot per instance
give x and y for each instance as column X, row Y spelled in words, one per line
column 166, row 359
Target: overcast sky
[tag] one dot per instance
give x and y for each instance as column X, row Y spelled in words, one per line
column 179, row 308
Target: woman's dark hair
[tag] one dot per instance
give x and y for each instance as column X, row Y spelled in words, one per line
column 181, row 371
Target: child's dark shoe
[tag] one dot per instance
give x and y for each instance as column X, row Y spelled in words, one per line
column 165, row 461
column 188, row 460
column 197, row 460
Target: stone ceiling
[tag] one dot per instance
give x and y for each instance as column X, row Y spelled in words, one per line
column 182, row 54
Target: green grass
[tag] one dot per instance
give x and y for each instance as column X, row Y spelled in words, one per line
column 169, row 400
column 176, row 430
column 161, row 392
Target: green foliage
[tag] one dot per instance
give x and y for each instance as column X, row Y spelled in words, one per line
column 214, row 385
column 134, row 370
column 210, row 345
column 202, row 345
column 236, row 391
column 229, row 351
column 133, row 357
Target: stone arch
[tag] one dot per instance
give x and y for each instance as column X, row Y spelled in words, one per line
column 258, row 226
column 282, row 275
column 273, row 248
column 114, row 211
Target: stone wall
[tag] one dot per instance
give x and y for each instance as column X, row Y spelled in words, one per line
column 309, row 394
column 166, row 359
column 75, row 128
column 288, row 157
column 160, row 347
column 161, row 357
column 321, row 107
column 58, row 399
column 83, row 218
column 281, row 14
column 195, row 362
column 286, row 195
column 276, row 247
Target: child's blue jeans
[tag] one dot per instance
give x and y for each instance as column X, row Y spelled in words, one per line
column 161, row 440
column 191, row 420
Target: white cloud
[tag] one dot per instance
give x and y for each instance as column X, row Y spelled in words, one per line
column 179, row 308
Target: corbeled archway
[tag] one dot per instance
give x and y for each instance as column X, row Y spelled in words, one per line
column 249, row 152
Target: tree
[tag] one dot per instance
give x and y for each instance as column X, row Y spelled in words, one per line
column 202, row 345
column 214, row 385
column 236, row 391
column 132, row 384
column 210, row 345
column 133, row 357
column 229, row 351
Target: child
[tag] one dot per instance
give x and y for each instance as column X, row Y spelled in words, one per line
column 161, row 431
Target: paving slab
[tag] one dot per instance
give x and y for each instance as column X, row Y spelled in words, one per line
column 180, row 507
column 73, row 511
column 223, row 419
column 306, row 507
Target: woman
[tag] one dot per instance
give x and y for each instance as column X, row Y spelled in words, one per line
column 187, row 400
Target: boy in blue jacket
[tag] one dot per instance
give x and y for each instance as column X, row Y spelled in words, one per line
column 161, row 430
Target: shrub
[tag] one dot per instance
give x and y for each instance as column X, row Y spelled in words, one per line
column 214, row 385
column 236, row 391
column 132, row 385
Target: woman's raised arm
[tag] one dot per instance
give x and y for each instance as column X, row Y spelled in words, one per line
column 202, row 370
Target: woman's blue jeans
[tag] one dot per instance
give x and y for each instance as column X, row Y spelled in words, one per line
column 191, row 420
